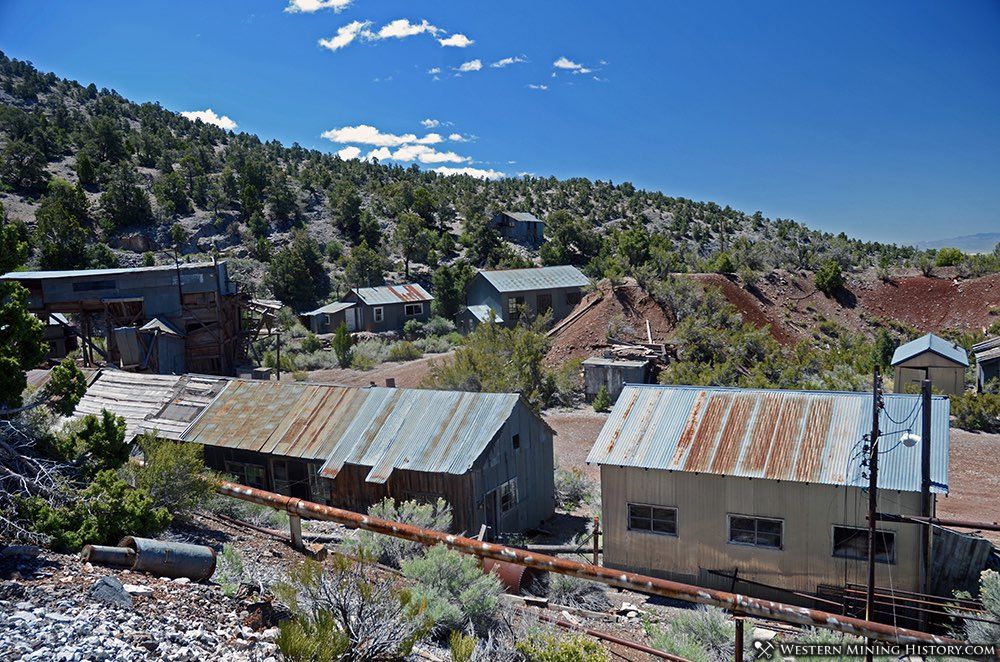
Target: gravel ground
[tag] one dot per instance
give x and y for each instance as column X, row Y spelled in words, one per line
column 974, row 489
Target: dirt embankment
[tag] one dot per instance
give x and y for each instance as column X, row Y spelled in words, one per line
column 790, row 303
column 610, row 311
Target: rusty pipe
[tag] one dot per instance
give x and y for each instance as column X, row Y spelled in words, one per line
column 116, row 557
column 731, row 602
column 610, row 638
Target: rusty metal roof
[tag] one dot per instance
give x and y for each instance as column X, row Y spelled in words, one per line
column 387, row 294
column 801, row 436
column 382, row 428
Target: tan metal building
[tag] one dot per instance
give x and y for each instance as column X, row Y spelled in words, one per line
column 930, row 357
column 702, row 485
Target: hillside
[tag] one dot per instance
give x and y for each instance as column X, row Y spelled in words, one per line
column 92, row 179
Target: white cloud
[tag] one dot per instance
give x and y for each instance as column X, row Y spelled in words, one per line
column 208, row 116
column 507, row 61
column 349, row 152
column 430, row 123
column 533, row 86
column 566, row 63
column 434, row 71
column 366, row 134
column 426, row 154
column 582, row 70
column 471, row 65
column 459, row 138
column 345, row 35
column 402, row 28
column 472, row 172
column 458, row 40
column 310, row 6
column 382, row 153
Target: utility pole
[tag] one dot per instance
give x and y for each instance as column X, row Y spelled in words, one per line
column 872, row 505
column 925, row 489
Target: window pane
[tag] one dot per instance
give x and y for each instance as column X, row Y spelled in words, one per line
column 664, row 526
column 638, row 524
column 768, row 540
column 742, row 523
column 640, row 511
column 850, row 543
column 668, row 514
column 769, row 527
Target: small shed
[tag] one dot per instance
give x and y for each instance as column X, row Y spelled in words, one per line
column 326, row 319
column 612, row 374
column 387, row 308
column 930, row 357
column 987, row 355
column 519, row 227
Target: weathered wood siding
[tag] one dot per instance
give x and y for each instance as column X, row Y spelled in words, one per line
column 945, row 375
column 703, row 502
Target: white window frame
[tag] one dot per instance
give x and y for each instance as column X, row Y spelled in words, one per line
column 378, row 314
column 513, row 304
column 756, row 518
column 864, row 533
column 509, row 487
column 419, row 309
column 628, row 519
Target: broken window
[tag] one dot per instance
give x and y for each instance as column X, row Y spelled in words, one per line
column 413, row 309
column 378, row 313
column 652, row 519
column 755, row 531
column 852, row 543
column 513, row 303
column 573, row 298
column 508, row 495
column 252, row 475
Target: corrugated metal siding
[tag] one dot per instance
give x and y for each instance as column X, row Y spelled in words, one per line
column 801, row 436
column 90, row 273
column 541, row 278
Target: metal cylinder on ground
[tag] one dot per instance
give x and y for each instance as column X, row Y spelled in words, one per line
column 116, row 557
column 171, row 559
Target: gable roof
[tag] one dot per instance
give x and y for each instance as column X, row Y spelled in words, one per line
column 538, row 278
column 933, row 344
column 523, row 216
column 389, row 294
column 799, row 436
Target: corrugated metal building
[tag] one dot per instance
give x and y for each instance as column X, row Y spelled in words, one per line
column 519, row 226
column 765, row 483
column 612, row 374
column 326, row 319
column 508, row 292
column 385, row 308
column 930, row 357
column 987, row 362
column 488, row 454
column 197, row 299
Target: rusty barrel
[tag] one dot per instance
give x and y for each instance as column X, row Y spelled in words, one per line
column 116, row 557
column 171, row 559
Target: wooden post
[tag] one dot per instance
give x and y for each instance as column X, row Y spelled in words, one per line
column 872, row 506
column 295, row 526
column 597, row 540
column 738, row 653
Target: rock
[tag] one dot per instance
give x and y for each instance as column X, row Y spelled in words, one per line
column 25, row 616
column 182, row 580
column 110, row 591
column 137, row 589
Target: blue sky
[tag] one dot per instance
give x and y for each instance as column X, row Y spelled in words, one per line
column 879, row 119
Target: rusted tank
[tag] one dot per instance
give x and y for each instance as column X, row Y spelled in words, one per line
column 115, row 557
column 171, row 559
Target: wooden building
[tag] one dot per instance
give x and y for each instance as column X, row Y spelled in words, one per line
column 987, row 355
column 930, row 357
column 487, row 454
column 713, row 486
column 196, row 301
column 520, row 227
column 507, row 294
column 374, row 309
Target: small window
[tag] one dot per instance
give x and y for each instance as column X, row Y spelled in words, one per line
column 247, row 474
column 90, row 285
column 652, row 519
column 378, row 313
column 543, row 303
column 513, row 304
column 755, row 531
column 508, row 495
column 516, row 441
column 573, row 298
column 852, row 543
column 413, row 309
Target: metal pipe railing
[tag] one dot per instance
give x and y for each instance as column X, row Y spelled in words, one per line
column 731, row 602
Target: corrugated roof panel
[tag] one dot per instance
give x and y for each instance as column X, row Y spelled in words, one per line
column 540, row 278
column 802, row 436
column 523, row 216
column 77, row 273
column 930, row 343
column 389, row 294
column 330, row 308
